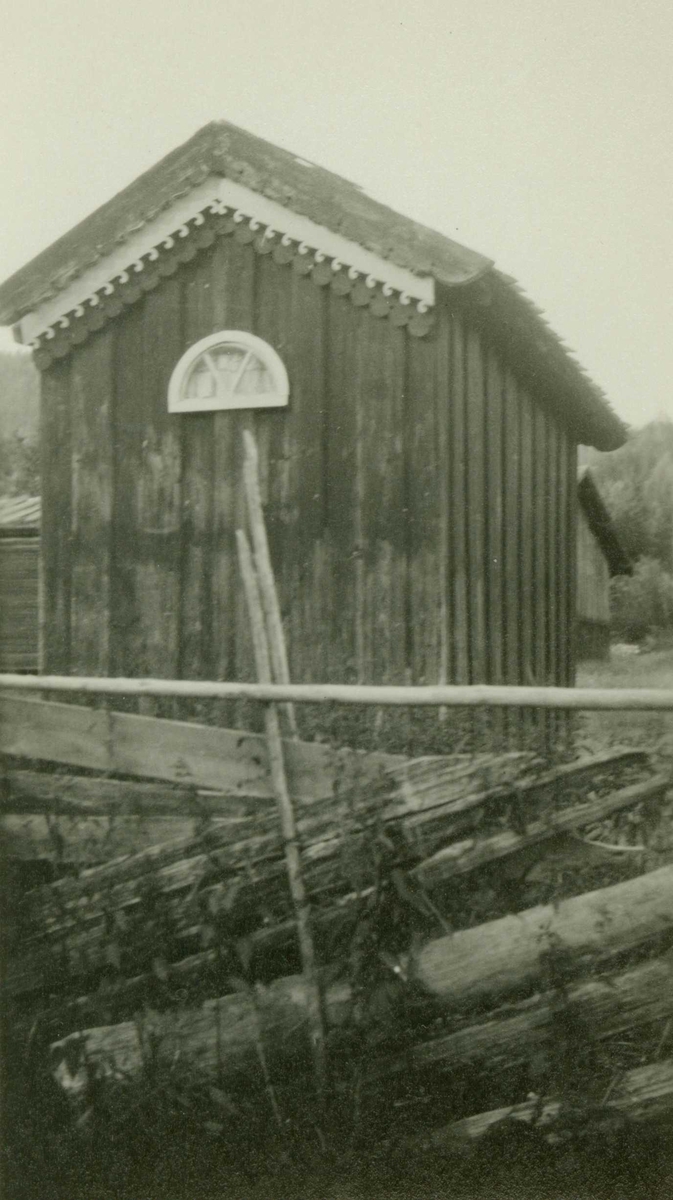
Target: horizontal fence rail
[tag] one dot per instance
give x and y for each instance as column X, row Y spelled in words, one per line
column 448, row 696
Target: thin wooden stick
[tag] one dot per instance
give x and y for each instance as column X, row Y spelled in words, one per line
column 453, row 695
column 287, row 817
column 265, row 575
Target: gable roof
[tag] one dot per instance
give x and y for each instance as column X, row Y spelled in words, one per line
column 600, row 524
column 221, row 150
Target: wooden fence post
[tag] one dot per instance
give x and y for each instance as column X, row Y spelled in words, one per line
column 264, row 572
column 287, row 816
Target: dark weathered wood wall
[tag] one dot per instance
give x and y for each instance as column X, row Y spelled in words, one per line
column 19, row 632
column 420, row 503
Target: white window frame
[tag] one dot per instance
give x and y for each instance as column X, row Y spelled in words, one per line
column 233, row 337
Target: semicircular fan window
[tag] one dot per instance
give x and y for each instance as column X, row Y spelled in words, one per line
column 228, row 370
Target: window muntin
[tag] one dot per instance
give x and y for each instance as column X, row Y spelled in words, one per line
column 228, row 370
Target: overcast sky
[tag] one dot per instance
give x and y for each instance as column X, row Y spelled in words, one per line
column 535, row 131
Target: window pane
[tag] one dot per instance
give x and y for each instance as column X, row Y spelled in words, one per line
column 228, row 361
column 200, row 383
column 226, row 373
column 255, row 379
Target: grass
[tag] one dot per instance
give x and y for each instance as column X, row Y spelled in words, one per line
column 162, row 1142
column 654, row 730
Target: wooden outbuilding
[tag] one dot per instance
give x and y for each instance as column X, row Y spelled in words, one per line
column 19, row 583
column 417, row 422
column 600, row 556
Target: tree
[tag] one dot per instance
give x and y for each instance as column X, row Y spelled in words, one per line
column 643, row 603
column 19, row 466
column 636, row 483
column 19, row 446
column 19, row 395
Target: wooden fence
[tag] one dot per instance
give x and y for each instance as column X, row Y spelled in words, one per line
column 185, row 815
column 442, row 696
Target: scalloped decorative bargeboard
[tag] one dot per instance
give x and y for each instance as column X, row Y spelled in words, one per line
column 224, row 208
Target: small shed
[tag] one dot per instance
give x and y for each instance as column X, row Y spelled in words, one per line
column 417, row 421
column 19, row 583
column 600, row 556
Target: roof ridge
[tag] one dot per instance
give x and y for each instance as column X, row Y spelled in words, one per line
column 326, row 199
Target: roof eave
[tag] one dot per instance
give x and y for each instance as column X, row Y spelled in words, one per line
column 586, row 408
column 221, row 149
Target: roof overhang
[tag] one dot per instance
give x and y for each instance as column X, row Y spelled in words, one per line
column 299, row 188
column 217, row 195
column 298, row 211
column 600, row 523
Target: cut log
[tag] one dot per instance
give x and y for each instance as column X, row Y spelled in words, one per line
column 46, row 793
column 489, row 963
column 86, row 819
column 71, row 819
column 72, row 916
column 473, row 853
column 324, row 824
column 643, row 1094
column 220, row 1037
column 506, row 1039
column 63, row 927
column 595, row 1010
column 233, row 764
column 321, row 821
column 422, row 783
column 414, row 783
column 508, row 956
column 86, row 840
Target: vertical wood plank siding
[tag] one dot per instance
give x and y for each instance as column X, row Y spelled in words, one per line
column 570, row 577
column 159, row 512
column 127, row 651
column 195, row 648
column 420, row 502
column 233, row 291
column 565, row 526
column 495, row 615
column 527, row 583
column 19, row 559
column 307, row 585
column 56, row 465
column 476, row 500
column 343, row 527
column 91, row 397
column 426, row 438
column 460, row 465
column 511, row 445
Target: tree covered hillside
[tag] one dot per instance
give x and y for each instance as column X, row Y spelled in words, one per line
column 19, row 395
column 19, row 405
column 636, row 483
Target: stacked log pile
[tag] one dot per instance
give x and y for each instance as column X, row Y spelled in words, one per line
column 445, row 908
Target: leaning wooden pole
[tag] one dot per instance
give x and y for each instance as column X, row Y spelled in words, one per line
column 265, row 575
column 287, row 817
